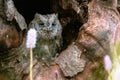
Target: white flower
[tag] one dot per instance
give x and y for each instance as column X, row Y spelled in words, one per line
column 31, row 38
column 107, row 63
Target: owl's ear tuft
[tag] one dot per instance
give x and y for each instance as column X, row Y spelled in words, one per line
column 37, row 15
column 56, row 14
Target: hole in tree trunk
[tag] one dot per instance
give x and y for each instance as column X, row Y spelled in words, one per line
column 69, row 18
column 29, row 7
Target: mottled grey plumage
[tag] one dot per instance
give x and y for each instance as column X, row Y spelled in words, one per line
column 49, row 37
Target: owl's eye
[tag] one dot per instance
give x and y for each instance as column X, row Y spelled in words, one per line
column 53, row 24
column 41, row 23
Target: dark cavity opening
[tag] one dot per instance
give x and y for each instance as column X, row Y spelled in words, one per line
column 29, row 7
column 69, row 19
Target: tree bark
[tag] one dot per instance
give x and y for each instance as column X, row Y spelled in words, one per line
column 81, row 59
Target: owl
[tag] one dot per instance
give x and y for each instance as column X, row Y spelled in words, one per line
column 49, row 38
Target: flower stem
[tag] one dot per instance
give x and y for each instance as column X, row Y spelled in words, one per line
column 109, row 75
column 31, row 64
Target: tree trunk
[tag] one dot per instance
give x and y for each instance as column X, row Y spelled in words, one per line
column 88, row 29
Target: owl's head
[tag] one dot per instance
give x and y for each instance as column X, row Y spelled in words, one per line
column 47, row 26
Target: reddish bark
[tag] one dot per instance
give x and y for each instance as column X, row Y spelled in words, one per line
column 80, row 59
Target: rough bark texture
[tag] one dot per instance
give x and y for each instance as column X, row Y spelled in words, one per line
column 12, row 13
column 81, row 60
column 12, row 61
column 99, row 30
column 95, row 37
column 70, row 62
